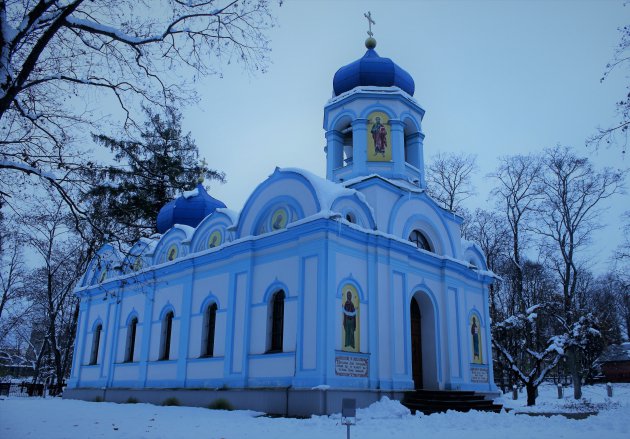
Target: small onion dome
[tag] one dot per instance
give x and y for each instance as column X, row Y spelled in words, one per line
column 371, row 69
column 189, row 209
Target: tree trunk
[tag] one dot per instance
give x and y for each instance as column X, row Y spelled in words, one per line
column 531, row 394
column 575, row 373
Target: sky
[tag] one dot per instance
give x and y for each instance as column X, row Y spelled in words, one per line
column 495, row 78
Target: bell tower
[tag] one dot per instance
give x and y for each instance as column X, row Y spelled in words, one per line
column 373, row 124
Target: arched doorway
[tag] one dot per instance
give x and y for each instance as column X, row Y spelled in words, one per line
column 416, row 344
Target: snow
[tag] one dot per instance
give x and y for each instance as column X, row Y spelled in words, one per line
column 54, row 418
column 326, row 190
column 190, row 194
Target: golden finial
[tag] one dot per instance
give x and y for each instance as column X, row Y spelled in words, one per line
column 202, row 172
column 370, row 42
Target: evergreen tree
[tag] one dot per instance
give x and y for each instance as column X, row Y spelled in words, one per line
column 148, row 173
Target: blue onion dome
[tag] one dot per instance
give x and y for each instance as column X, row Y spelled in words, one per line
column 373, row 70
column 189, row 209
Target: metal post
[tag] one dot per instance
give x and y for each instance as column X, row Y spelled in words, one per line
column 609, row 390
column 560, row 391
column 348, row 431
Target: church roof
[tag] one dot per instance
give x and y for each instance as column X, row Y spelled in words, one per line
column 189, row 209
column 372, row 70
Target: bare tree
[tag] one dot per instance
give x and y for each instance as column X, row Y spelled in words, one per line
column 618, row 132
column 64, row 258
column 516, row 196
column 449, row 179
column 61, row 61
column 572, row 194
column 12, row 271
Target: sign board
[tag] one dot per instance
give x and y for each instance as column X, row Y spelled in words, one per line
column 351, row 366
column 479, row 374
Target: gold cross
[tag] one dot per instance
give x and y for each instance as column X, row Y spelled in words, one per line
column 370, row 22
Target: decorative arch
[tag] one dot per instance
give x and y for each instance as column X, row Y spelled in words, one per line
column 275, row 286
column 354, row 206
column 168, row 307
column 474, row 255
column 213, row 227
column 105, row 261
column 400, row 225
column 365, row 112
column 139, row 255
column 425, row 226
column 209, row 300
column 171, row 245
column 282, row 211
column 274, row 191
column 132, row 314
column 342, row 119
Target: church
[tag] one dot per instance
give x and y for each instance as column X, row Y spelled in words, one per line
column 354, row 285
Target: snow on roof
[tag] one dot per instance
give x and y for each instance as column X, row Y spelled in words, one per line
column 192, row 193
column 398, row 183
column 326, row 190
column 615, row 352
column 232, row 214
column 189, row 231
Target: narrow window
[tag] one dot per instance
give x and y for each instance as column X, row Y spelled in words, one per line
column 96, row 340
column 420, row 240
column 131, row 340
column 209, row 323
column 167, row 327
column 277, row 321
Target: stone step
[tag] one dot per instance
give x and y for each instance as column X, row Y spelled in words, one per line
column 436, row 401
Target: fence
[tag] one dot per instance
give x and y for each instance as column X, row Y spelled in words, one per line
column 25, row 389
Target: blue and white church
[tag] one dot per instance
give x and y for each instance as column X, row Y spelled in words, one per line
column 353, row 285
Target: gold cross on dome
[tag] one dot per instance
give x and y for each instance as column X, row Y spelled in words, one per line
column 370, row 22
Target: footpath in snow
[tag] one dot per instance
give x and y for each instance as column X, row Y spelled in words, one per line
column 53, row 418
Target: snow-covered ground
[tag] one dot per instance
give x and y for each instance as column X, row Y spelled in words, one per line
column 56, row 418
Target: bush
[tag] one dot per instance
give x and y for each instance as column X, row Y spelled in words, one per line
column 221, row 404
column 131, row 400
column 98, row 399
column 172, row 401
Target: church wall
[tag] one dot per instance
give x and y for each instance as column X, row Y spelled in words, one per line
column 382, row 201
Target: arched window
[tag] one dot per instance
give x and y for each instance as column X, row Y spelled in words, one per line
column 277, row 322
column 96, row 341
column 167, row 328
column 131, row 340
column 420, row 240
column 209, row 323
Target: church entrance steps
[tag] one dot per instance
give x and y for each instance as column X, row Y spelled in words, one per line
column 437, row 401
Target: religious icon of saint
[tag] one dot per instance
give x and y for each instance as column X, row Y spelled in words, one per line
column 215, row 239
column 172, row 253
column 474, row 332
column 379, row 135
column 277, row 224
column 349, row 321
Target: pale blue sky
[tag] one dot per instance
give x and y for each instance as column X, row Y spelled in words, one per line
column 495, row 78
